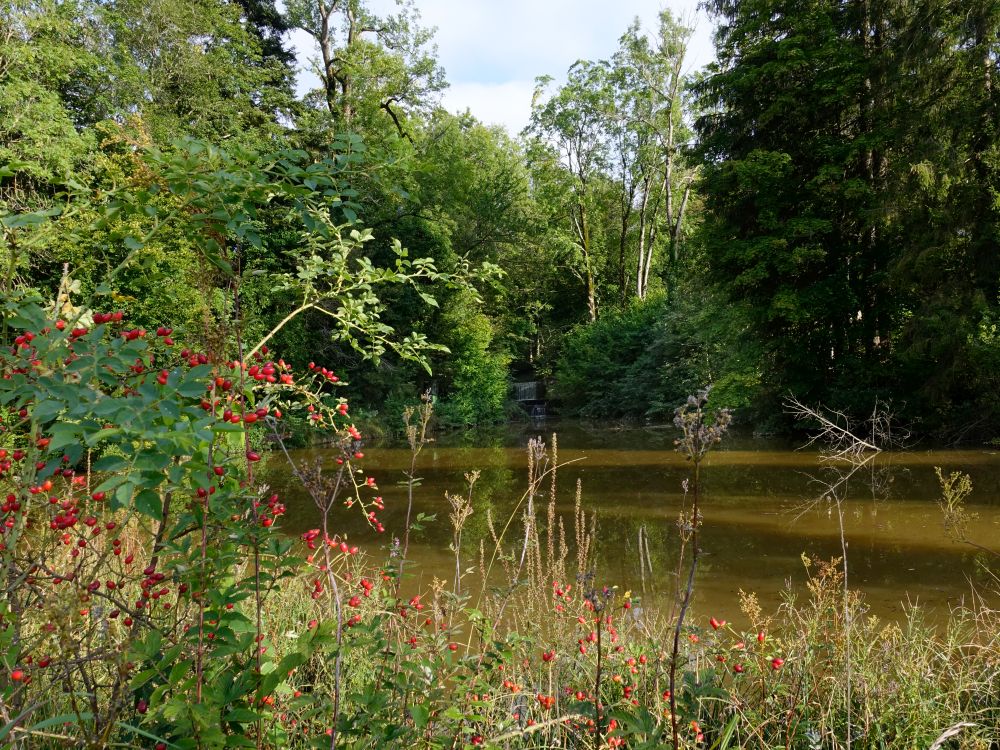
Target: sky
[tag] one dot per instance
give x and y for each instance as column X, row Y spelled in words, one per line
column 492, row 50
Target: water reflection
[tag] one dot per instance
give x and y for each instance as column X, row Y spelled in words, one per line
column 764, row 508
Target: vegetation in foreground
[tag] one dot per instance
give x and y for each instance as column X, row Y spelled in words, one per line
column 149, row 599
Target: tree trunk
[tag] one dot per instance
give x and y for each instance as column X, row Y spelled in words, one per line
column 640, row 288
column 622, row 240
column 585, row 246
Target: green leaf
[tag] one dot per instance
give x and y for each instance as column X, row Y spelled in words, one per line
column 95, row 437
column 242, row 716
column 179, row 670
column 123, row 495
column 280, row 672
column 54, row 721
column 152, row 460
column 420, row 714
column 727, row 734
column 143, row 733
column 47, row 410
column 170, row 409
column 149, row 504
column 194, row 382
column 221, row 263
column 110, row 463
column 142, row 678
column 63, row 434
column 235, row 740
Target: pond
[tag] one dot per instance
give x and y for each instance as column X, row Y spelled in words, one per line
column 764, row 507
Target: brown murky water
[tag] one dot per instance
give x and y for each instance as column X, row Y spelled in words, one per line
column 763, row 509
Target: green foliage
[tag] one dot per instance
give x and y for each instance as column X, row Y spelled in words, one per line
column 475, row 377
column 608, row 369
column 172, row 463
column 93, row 394
column 608, row 143
column 640, row 363
column 377, row 71
column 848, row 195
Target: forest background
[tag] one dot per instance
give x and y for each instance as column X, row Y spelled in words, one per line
column 817, row 213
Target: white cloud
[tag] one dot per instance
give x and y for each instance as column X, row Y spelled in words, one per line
column 507, row 103
column 521, row 39
column 492, row 50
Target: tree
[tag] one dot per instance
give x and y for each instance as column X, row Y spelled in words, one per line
column 52, row 60
column 650, row 86
column 850, row 169
column 370, row 64
column 270, row 26
column 942, row 187
column 790, row 211
column 571, row 128
column 199, row 69
column 616, row 128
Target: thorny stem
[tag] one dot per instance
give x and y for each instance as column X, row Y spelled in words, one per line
column 417, row 437
column 258, row 604
column 598, row 708
column 335, row 590
column 297, row 311
column 325, row 504
column 684, row 606
column 697, row 439
column 199, row 661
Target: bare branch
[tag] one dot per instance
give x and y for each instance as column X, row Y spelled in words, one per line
column 835, row 431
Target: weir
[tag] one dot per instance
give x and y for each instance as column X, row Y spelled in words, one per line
column 531, row 395
column 529, row 390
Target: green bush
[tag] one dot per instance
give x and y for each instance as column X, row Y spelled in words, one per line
column 628, row 364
